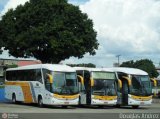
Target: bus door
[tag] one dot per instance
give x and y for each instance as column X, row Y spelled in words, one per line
column 125, row 88
column 125, row 92
column 87, row 86
column 82, row 90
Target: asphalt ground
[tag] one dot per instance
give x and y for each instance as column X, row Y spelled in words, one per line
column 32, row 111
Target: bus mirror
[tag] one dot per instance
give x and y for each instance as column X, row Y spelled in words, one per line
column 91, row 82
column 128, row 80
column 81, row 79
column 154, row 82
column 50, row 78
column 120, row 83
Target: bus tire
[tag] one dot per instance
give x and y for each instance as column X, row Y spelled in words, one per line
column 64, row 106
column 40, row 101
column 101, row 106
column 118, row 105
column 135, row 106
column 14, row 98
column 79, row 101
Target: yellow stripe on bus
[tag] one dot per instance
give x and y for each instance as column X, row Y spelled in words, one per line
column 104, row 97
column 66, row 96
column 141, row 98
column 25, row 88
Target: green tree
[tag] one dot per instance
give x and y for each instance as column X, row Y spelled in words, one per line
column 127, row 64
column 83, row 65
column 144, row 64
column 49, row 30
column 1, row 37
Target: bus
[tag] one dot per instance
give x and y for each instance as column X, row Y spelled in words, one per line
column 49, row 84
column 136, row 87
column 97, row 86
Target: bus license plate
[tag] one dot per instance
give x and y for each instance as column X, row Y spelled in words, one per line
column 105, row 102
column 66, row 103
column 142, row 103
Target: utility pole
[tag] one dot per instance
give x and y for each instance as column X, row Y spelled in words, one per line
column 118, row 56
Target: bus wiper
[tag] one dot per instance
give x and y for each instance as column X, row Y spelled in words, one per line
column 144, row 89
column 66, row 89
column 108, row 90
column 63, row 89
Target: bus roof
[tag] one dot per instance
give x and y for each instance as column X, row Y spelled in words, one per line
column 52, row 67
column 127, row 70
column 93, row 69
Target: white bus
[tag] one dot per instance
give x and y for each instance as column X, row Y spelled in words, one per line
column 97, row 86
column 50, row 84
column 136, row 87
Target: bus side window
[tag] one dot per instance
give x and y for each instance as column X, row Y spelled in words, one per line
column 38, row 75
column 80, row 73
column 81, row 87
column 13, row 76
column 46, row 81
column 8, row 76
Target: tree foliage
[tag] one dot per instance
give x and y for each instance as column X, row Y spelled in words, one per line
column 144, row 64
column 128, row 64
column 83, row 65
column 1, row 37
column 49, row 30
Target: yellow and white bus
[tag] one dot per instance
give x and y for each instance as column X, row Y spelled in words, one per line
column 136, row 87
column 97, row 86
column 50, row 84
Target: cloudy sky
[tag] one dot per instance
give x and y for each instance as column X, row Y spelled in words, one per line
column 130, row 28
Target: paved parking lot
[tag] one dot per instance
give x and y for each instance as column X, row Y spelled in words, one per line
column 31, row 110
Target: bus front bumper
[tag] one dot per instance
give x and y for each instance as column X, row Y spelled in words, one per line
column 103, row 102
column 64, row 101
column 137, row 100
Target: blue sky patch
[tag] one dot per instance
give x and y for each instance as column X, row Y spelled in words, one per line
column 2, row 4
column 76, row 2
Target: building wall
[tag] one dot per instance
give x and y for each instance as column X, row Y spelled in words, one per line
column 24, row 63
column 6, row 62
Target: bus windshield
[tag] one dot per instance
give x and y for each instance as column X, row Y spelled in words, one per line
column 104, row 83
column 64, row 83
column 141, row 85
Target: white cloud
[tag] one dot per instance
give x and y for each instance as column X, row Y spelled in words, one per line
column 12, row 4
column 127, row 27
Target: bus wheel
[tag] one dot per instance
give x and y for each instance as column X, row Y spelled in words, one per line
column 14, row 98
column 101, row 106
column 135, row 106
column 40, row 101
column 118, row 106
column 79, row 102
column 64, row 106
